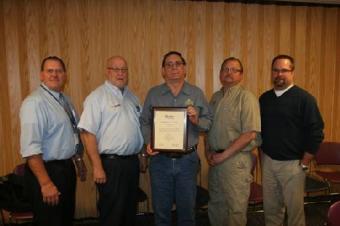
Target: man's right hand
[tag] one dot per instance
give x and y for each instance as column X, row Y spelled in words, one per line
column 208, row 156
column 49, row 191
column 150, row 151
column 99, row 175
column 50, row 194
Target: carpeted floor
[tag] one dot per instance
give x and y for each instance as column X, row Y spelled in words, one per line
column 315, row 216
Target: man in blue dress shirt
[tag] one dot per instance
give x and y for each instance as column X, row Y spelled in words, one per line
column 49, row 140
column 112, row 136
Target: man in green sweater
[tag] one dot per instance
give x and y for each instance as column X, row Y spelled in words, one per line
column 292, row 130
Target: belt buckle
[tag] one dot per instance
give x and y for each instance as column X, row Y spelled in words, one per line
column 109, row 156
column 174, row 155
column 191, row 149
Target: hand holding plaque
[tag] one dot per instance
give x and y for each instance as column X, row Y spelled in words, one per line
column 192, row 112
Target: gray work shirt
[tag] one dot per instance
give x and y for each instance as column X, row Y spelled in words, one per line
column 161, row 96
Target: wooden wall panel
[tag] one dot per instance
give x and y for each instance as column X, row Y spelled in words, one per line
column 14, row 91
column 251, row 57
column 217, row 49
column 285, row 29
column 32, row 43
column 4, row 100
column 336, row 115
column 86, row 32
column 270, row 45
column 314, row 56
column 328, row 64
column 300, row 43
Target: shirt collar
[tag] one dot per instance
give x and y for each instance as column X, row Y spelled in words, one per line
column 185, row 89
column 279, row 93
column 54, row 93
column 115, row 88
column 230, row 90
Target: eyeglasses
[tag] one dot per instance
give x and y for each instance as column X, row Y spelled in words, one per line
column 177, row 64
column 116, row 70
column 282, row 71
column 57, row 71
column 231, row 70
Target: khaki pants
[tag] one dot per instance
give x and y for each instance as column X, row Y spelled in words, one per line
column 229, row 189
column 283, row 187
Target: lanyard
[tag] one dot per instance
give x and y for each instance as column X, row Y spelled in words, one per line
column 78, row 144
column 66, row 109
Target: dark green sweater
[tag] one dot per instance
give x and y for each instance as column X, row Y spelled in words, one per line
column 291, row 124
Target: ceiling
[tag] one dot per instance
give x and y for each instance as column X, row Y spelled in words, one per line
column 295, row 2
column 335, row 2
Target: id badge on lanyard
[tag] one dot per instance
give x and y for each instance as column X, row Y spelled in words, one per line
column 76, row 138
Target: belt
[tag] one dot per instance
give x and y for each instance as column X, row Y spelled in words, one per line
column 115, row 156
column 177, row 155
column 59, row 161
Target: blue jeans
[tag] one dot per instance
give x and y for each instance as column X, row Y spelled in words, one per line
column 173, row 180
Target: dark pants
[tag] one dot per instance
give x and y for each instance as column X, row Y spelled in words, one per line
column 62, row 173
column 117, row 202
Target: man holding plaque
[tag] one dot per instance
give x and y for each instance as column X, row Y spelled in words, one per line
column 174, row 114
column 111, row 132
column 235, row 132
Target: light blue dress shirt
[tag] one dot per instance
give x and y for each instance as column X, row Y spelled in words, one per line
column 113, row 117
column 45, row 127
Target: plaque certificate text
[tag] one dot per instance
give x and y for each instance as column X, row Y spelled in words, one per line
column 169, row 132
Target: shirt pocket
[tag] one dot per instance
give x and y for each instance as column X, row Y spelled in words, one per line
column 231, row 118
column 112, row 109
column 137, row 110
column 133, row 108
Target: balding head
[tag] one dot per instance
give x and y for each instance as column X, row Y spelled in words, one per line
column 117, row 71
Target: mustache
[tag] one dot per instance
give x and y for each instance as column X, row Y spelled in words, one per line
column 279, row 81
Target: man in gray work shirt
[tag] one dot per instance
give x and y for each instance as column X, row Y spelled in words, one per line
column 173, row 176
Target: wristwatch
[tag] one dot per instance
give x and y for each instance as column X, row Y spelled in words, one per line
column 304, row 167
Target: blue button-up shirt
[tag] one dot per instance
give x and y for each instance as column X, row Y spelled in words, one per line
column 45, row 127
column 113, row 117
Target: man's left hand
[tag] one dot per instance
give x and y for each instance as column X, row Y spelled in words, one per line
column 218, row 158
column 192, row 114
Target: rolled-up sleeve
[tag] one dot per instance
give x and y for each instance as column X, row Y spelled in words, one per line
column 91, row 115
column 145, row 119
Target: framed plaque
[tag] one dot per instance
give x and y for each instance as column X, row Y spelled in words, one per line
column 169, row 129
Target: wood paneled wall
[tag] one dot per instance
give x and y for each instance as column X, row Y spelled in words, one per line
column 86, row 32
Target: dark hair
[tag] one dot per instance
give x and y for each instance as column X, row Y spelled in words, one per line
column 173, row 53
column 55, row 58
column 285, row 57
column 233, row 59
